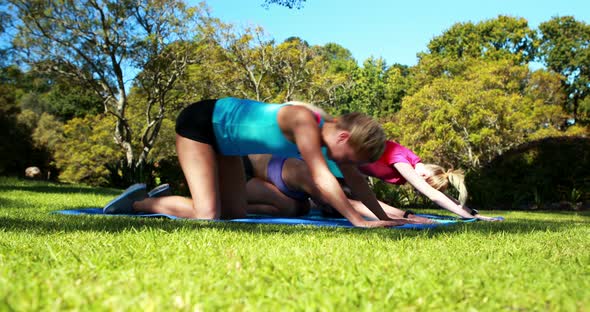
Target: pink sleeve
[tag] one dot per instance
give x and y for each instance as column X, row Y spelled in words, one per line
column 401, row 154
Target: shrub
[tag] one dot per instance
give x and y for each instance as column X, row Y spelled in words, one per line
column 537, row 174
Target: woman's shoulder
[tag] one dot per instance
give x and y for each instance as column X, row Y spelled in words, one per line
column 392, row 148
column 395, row 152
column 297, row 112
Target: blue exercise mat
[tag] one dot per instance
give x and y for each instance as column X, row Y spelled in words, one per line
column 313, row 218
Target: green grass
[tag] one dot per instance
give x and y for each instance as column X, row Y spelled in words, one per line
column 531, row 262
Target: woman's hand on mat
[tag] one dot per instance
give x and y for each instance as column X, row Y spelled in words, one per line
column 420, row 220
column 377, row 223
column 411, row 220
column 484, row 218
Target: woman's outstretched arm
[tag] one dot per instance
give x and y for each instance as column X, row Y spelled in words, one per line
column 438, row 197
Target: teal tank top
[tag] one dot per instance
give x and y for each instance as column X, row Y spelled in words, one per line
column 331, row 164
column 245, row 127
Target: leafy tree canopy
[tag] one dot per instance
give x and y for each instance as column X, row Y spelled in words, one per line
column 297, row 4
column 470, row 119
column 565, row 48
column 499, row 38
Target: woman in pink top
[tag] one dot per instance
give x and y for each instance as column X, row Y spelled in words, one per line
column 399, row 165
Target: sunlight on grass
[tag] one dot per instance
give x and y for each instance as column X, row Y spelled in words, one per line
column 532, row 261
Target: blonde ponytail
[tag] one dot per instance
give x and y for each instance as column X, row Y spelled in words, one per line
column 441, row 179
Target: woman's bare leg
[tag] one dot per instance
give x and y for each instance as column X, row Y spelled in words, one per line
column 199, row 165
column 232, row 187
column 264, row 209
column 171, row 205
column 266, row 198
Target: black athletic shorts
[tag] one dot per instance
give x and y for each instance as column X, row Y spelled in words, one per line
column 195, row 122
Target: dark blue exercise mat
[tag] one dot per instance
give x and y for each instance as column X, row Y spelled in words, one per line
column 314, row 218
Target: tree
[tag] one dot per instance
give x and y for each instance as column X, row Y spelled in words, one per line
column 332, row 77
column 451, row 53
column 5, row 23
column 16, row 147
column 494, row 39
column 470, row 119
column 85, row 153
column 294, row 57
column 368, row 92
column 298, row 4
column 397, row 82
column 51, row 93
column 242, row 62
column 565, row 49
column 103, row 44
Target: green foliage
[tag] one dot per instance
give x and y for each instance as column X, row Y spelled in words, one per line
column 332, row 80
column 297, row 4
column 42, row 92
column 496, row 39
column 400, row 196
column 467, row 120
column 27, row 104
column 66, row 101
column 565, row 49
column 86, row 151
column 297, row 64
column 5, row 21
column 15, row 145
column 398, row 81
column 107, row 46
column 17, row 150
column 368, row 92
column 458, row 48
column 48, row 132
column 535, row 175
column 161, row 165
column 376, row 89
column 584, row 109
column 340, row 58
column 46, row 136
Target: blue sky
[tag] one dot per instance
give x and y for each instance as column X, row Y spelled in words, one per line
column 394, row 30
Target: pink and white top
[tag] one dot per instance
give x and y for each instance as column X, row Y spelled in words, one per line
column 383, row 168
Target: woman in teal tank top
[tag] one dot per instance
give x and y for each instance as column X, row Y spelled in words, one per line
column 213, row 134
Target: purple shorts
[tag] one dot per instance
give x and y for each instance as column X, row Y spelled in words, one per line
column 274, row 172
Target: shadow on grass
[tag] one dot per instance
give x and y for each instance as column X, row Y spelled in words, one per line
column 50, row 224
column 20, row 206
column 5, row 202
column 585, row 213
column 59, row 189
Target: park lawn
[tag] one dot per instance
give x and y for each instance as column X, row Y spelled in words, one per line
column 530, row 262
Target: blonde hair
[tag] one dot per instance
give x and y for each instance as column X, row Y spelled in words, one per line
column 366, row 135
column 441, row 179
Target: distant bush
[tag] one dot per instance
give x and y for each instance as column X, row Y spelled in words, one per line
column 17, row 149
column 551, row 173
column 86, row 150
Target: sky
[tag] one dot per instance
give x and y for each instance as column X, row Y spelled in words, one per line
column 392, row 29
